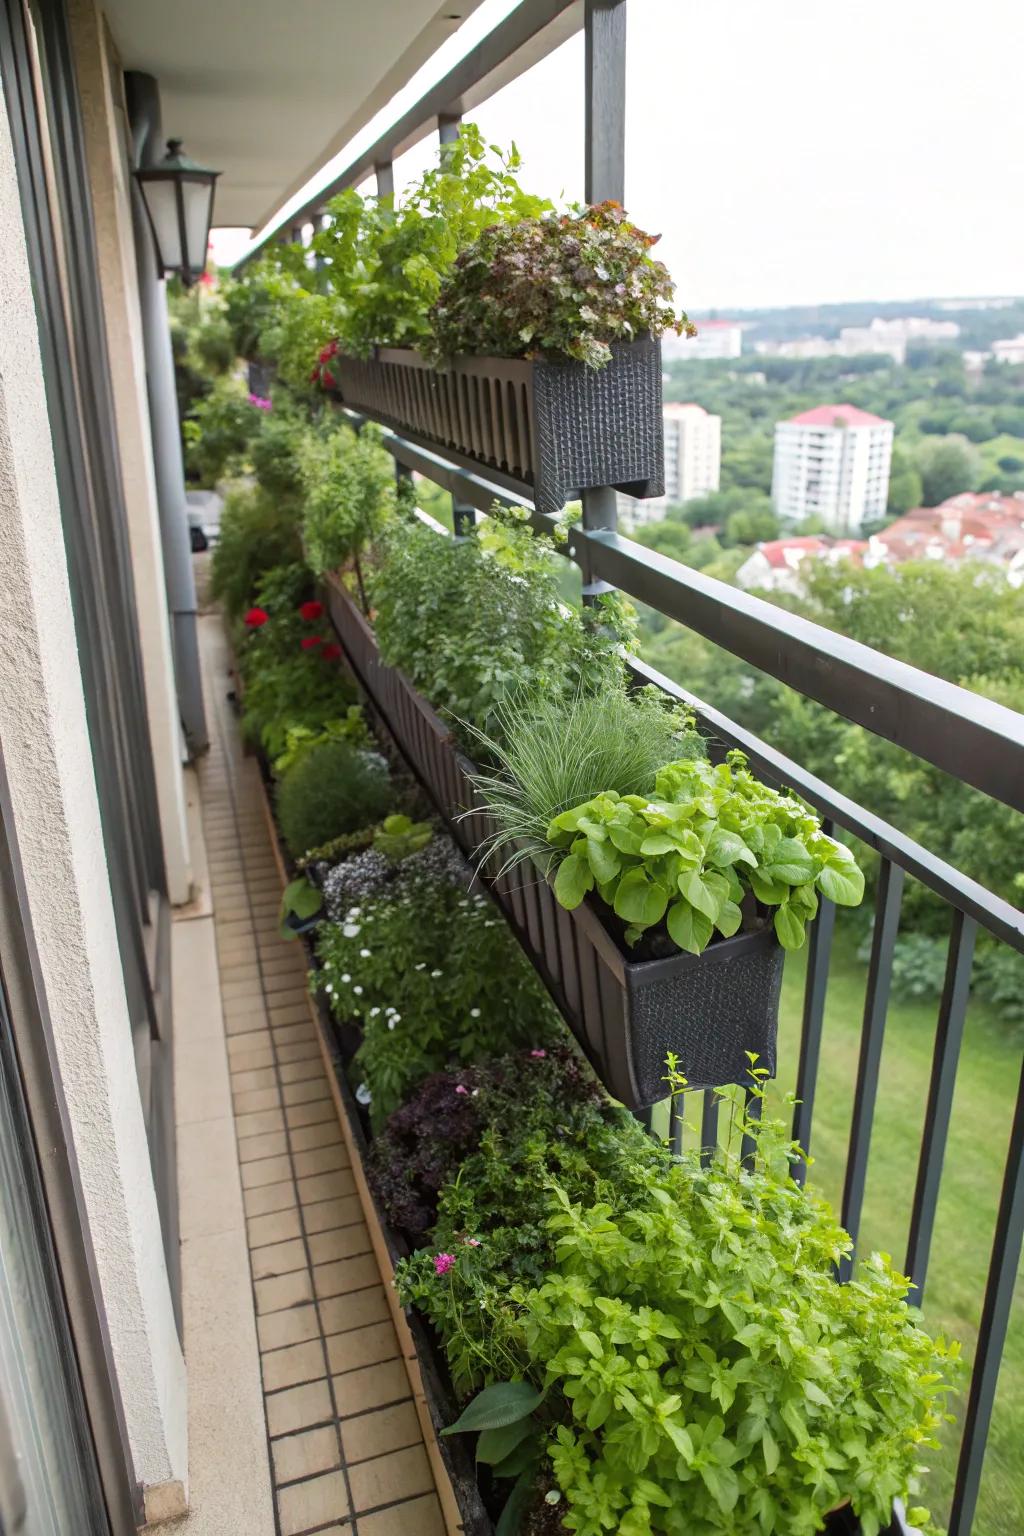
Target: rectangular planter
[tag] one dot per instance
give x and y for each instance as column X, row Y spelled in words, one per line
column 627, row 1015
column 559, row 427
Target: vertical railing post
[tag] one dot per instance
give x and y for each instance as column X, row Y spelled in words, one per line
column 384, row 171
column 604, row 177
column 463, row 518
column 448, row 125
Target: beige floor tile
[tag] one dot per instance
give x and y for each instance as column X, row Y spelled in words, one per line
column 309, row 1505
column 278, row 1259
column 303, row 1455
column 359, row 1309
column 326, row 1186
column 305, row 1050
column 281, row 1227
column 293, row 1014
column 305, row 1137
column 274, row 1197
column 253, row 1148
column 262, row 1122
column 245, row 1023
column 261, row 1077
column 251, row 1060
column 373, row 1387
column 268, row 1170
column 256, row 1039
column 311, row 1114
column 330, row 1159
column 301, row 1071
column 419, row 1517
column 374, row 1434
column 299, row 1408
column 291, row 1366
column 256, row 1099
column 297, row 1031
column 284, row 1291
column 332, row 1213
column 307, row 1092
column 341, row 1243
column 345, row 1275
column 362, row 1346
column 279, row 1329
column 401, row 1475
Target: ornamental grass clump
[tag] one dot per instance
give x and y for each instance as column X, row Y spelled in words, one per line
column 702, row 853
column 551, row 754
column 561, row 286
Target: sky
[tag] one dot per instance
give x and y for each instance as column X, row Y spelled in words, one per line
column 795, row 152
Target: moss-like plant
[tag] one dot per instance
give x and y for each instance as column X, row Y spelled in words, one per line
column 331, row 789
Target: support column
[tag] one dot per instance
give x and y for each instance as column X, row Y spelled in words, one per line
column 604, row 178
column 105, row 127
column 144, row 119
column 448, row 125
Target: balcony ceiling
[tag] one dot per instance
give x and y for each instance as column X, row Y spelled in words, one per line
column 266, row 91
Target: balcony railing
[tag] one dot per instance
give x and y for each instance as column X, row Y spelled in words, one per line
column 974, row 740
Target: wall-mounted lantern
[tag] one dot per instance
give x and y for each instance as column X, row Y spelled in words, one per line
column 178, row 195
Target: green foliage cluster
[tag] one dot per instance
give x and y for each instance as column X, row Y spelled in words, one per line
column 434, row 976
column 350, row 496
column 332, row 788
column 257, row 534
column 690, row 853
column 300, row 739
column 560, row 286
column 219, row 431
column 552, row 753
column 472, row 621
column 383, row 263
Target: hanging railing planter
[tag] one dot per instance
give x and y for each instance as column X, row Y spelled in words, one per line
column 710, row 1010
column 558, row 427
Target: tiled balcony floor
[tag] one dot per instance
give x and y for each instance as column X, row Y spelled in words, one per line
column 345, row 1445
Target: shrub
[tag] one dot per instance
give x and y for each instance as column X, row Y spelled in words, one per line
column 331, row 789
column 434, row 976
column 350, row 494
column 560, row 286
column 705, row 843
column 256, row 534
column 475, row 620
column 289, row 691
column 219, row 430
column 554, row 754
column 276, row 452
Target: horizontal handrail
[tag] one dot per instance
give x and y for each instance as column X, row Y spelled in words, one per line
column 532, row 31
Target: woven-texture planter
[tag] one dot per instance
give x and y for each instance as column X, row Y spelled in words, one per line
column 558, row 427
column 627, row 1014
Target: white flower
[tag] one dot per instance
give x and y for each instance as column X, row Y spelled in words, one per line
column 374, row 1012
column 364, row 954
column 351, row 930
column 363, row 1094
column 421, row 967
column 345, row 976
column 474, row 1013
column 391, row 1023
column 358, row 991
column 396, row 1018
column 329, row 988
column 435, row 973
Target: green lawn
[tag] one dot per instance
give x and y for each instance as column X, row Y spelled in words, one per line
column 986, row 1086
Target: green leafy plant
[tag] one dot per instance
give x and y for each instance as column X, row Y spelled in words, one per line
column 383, row 264
column 563, row 286
column 473, row 621
column 707, row 840
column 350, row 495
column 301, row 739
column 219, row 431
column 299, row 900
column 257, row 533
column 275, row 452
column 435, row 976
column 399, row 836
column 332, row 788
column 552, row 754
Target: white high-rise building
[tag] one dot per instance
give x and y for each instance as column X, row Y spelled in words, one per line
column 714, row 339
column 693, row 451
column 832, row 462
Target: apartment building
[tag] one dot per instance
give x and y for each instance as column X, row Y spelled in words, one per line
column 832, row 462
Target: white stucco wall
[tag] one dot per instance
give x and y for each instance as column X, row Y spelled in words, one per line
column 47, row 756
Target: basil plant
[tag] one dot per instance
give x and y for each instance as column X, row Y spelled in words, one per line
column 692, row 852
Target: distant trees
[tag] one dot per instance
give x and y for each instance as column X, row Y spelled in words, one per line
column 905, row 485
column 948, row 465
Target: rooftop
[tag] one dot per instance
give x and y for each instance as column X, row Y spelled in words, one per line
column 836, row 416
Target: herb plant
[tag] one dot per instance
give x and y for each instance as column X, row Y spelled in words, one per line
column 300, row 739
column 473, row 621
column 562, row 286
column 706, row 841
column 331, row 789
column 349, row 483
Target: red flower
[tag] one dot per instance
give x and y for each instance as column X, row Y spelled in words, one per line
column 331, row 652
column 328, row 352
column 327, row 379
column 309, row 641
column 311, row 611
column 256, row 618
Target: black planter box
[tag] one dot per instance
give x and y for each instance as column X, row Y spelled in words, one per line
column 558, row 427
column 627, row 1015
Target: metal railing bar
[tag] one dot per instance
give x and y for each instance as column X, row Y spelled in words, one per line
column 995, row 1318
column 978, row 741
column 819, row 952
column 991, row 912
column 876, row 1004
column 532, row 31
column 948, row 1038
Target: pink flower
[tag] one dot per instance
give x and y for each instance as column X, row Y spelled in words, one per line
column 261, row 403
column 461, row 1088
column 538, row 1055
column 471, row 1242
column 443, row 1262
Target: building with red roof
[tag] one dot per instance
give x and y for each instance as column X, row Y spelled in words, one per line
column 832, row 462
